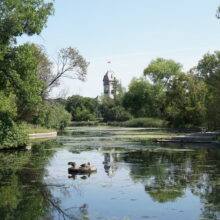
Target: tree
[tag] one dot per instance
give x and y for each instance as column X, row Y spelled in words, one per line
column 162, row 70
column 185, row 105
column 22, row 17
column 82, row 108
column 19, row 76
column 17, row 64
column 20, row 87
column 112, row 110
column 208, row 69
column 44, row 65
column 144, row 99
column 69, row 60
column 52, row 115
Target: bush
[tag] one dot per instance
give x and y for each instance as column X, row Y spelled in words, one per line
column 112, row 111
column 12, row 134
column 145, row 122
column 53, row 116
column 82, row 108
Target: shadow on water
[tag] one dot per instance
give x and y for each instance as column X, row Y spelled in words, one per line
column 166, row 181
column 23, row 193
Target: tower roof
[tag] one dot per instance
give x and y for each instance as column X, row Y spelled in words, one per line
column 109, row 76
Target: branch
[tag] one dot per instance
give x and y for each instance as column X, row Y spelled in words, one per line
column 69, row 60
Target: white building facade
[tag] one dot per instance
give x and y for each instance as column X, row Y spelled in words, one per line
column 110, row 84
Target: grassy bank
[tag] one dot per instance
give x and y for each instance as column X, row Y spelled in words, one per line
column 135, row 122
column 145, row 123
column 31, row 129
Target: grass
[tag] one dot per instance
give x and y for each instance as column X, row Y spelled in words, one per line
column 145, row 123
column 135, row 122
column 84, row 123
column 31, row 129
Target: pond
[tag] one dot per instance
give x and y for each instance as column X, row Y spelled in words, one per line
column 135, row 179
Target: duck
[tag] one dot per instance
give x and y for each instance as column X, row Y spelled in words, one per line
column 73, row 164
column 83, row 168
column 87, row 165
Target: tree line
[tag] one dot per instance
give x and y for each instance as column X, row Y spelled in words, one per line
column 184, row 99
column 26, row 73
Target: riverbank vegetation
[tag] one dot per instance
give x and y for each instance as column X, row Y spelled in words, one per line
column 26, row 73
column 164, row 96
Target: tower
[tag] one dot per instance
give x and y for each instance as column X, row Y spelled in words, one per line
column 110, row 83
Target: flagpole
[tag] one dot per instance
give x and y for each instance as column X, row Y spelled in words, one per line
column 109, row 62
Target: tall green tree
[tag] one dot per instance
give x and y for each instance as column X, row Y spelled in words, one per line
column 185, row 99
column 82, row 108
column 112, row 110
column 18, row 80
column 144, row 99
column 17, row 63
column 69, row 64
column 162, row 70
column 22, row 17
column 208, row 69
column 20, row 77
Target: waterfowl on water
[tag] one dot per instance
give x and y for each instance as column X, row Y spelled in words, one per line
column 87, row 165
column 83, row 168
column 73, row 164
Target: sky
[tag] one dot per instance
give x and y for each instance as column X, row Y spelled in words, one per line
column 130, row 34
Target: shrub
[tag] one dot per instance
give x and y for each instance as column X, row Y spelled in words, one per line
column 12, row 134
column 52, row 116
column 145, row 122
column 112, row 111
column 82, row 108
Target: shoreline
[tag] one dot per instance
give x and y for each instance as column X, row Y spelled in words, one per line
column 42, row 135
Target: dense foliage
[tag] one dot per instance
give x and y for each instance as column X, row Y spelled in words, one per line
column 209, row 70
column 185, row 101
column 162, row 70
column 82, row 108
column 26, row 73
column 180, row 100
column 112, row 110
column 52, row 115
column 144, row 99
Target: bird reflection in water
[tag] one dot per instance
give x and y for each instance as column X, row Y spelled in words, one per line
column 83, row 177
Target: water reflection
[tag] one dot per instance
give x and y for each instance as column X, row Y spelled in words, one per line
column 158, row 182
column 22, row 192
column 166, row 174
column 109, row 162
column 83, row 177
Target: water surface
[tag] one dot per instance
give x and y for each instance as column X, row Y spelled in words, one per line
column 135, row 179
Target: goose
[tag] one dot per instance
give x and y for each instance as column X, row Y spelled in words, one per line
column 85, row 165
column 73, row 164
column 83, row 168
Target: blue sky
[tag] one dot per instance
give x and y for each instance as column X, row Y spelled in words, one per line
column 129, row 33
